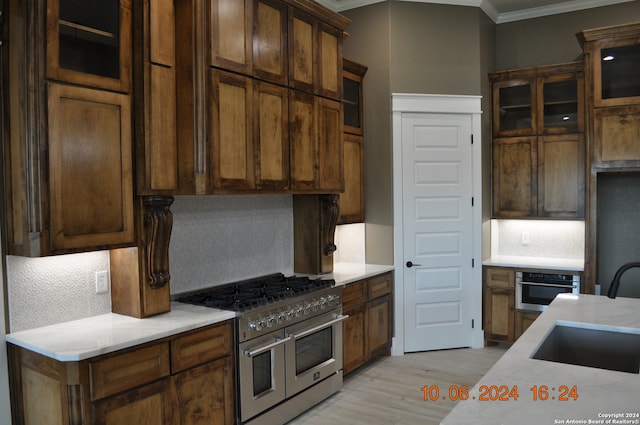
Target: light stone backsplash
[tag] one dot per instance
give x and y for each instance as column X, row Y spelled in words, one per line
column 221, row 239
column 215, row 239
column 49, row 290
column 546, row 238
column 350, row 243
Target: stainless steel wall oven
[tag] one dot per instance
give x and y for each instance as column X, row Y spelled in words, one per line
column 536, row 290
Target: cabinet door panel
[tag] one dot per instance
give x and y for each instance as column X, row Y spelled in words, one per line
column 514, row 177
column 379, row 327
column 148, row 405
column 128, row 370
column 498, row 314
column 523, row 320
column 162, row 32
column 200, row 347
column 354, row 330
column 354, row 294
column 269, row 41
column 380, row 285
column 272, row 136
column 352, row 200
column 90, row 168
column 230, row 35
column 330, row 146
column 561, row 176
column 330, row 61
column 90, row 43
column 233, row 166
column 204, row 395
column 161, row 143
column 302, row 51
column 303, row 134
column 500, row 277
column 617, row 135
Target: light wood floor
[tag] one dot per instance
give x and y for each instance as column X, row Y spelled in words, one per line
column 388, row 392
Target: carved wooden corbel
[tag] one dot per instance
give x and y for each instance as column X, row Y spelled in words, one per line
column 157, row 225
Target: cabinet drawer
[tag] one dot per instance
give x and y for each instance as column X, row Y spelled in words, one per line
column 200, row 347
column 499, row 277
column 354, row 294
column 128, row 370
column 380, row 285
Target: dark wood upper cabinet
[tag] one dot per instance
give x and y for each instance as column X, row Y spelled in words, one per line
column 259, row 133
column 69, row 138
column 538, row 146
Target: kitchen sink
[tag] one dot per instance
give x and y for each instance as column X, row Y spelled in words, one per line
column 581, row 344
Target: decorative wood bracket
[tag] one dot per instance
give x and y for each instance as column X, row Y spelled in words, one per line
column 157, row 225
column 330, row 212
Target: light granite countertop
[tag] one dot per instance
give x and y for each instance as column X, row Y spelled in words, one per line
column 345, row 273
column 85, row 338
column 563, row 264
column 599, row 392
column 92, row 336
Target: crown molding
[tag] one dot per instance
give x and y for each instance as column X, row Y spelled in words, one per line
column 554, row 9
column 487, row 7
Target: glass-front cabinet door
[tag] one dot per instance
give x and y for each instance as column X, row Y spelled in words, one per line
column 89, row 42
column 562, row 106
column 514, row 108
column 616, row 70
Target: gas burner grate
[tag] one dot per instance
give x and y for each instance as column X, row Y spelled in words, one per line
column 252, row 293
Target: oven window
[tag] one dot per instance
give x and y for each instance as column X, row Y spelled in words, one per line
column 314, row 349
column 543, row 295
column 261, row 373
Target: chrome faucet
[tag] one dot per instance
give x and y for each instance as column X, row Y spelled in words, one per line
column 615, row 283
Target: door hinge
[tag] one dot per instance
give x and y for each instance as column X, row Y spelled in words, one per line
column 472, row 201
column 473, row 323
column 473, row 262
column 472, row 139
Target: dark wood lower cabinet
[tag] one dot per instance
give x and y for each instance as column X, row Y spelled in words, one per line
column 501, row 321
column 367, row 331
column 182, row 380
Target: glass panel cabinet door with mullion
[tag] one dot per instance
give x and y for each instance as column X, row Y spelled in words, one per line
column 88, row 43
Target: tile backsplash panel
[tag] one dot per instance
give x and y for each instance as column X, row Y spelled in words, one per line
column 220, row 239
column 546, row 238
column 49, row 290
column 215, row 239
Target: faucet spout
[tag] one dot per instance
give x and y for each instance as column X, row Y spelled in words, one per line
column 615, row 283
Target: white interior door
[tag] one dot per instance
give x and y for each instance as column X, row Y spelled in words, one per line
column 437, row 192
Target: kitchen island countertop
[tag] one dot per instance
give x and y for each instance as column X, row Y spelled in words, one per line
column 599, row 392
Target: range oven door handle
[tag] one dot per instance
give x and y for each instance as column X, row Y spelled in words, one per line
column 551, row 285
column 251, row 353
column 306, row 332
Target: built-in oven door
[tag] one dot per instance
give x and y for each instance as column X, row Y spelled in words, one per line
column 537, row 296
column 314, row 351
column 261, row 369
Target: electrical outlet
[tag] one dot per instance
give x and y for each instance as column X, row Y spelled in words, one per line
column 102, row 282
column 525, row 238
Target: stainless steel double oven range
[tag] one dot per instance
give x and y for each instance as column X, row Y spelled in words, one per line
column 288, row 343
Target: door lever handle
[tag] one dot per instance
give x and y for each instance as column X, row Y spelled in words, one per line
column 410, row 264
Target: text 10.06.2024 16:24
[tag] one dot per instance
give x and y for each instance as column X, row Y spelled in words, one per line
column 500, row 393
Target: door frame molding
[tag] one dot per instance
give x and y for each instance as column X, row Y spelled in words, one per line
column 444, row 104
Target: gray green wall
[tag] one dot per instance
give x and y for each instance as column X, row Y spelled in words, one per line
column 551, row 39
column 413, row 47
